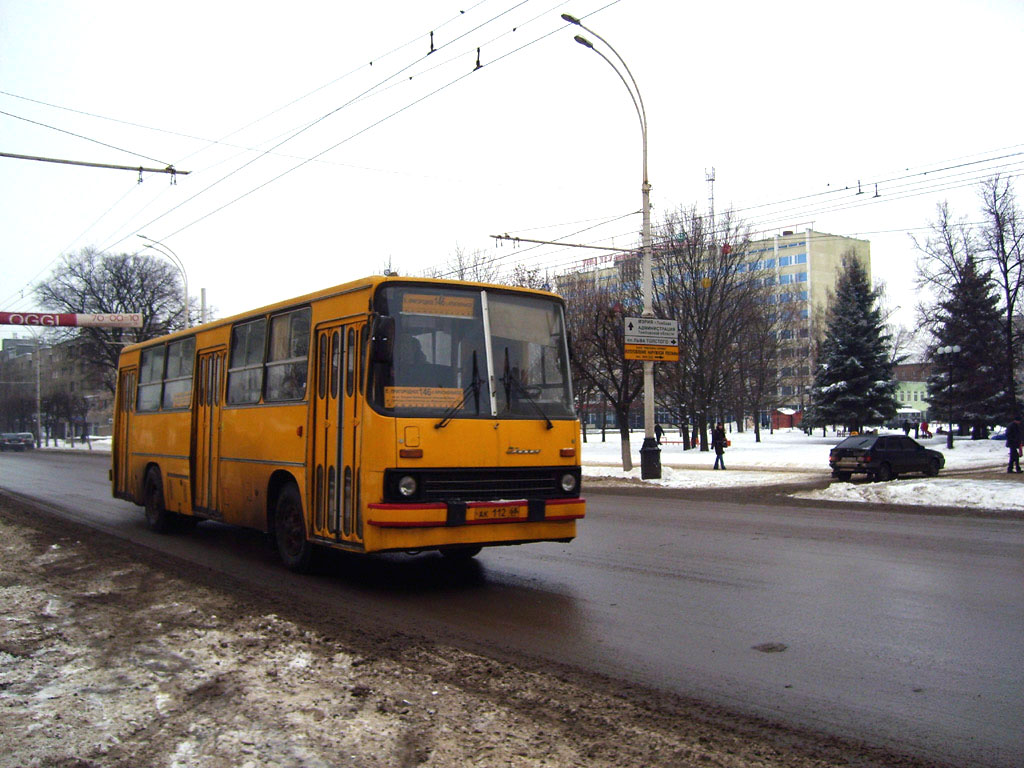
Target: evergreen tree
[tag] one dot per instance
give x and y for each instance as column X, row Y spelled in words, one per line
column 854, row 383
column 970, row 318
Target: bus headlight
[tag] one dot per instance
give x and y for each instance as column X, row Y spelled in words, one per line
column 568, row 482
column 407, row 486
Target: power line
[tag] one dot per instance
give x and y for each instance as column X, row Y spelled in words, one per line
column 352, row 136
column 85, row 138
column 310, row 125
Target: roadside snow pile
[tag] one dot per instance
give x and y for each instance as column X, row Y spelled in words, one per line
column 783, row 449
column 672, row 477
column 970, row 494
column 790, row 456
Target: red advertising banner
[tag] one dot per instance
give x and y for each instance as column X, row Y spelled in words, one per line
column 53, row 319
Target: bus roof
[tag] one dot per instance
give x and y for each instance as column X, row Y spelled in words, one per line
column 371, row 283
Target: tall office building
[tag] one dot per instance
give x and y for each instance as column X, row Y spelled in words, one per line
column 803, row 266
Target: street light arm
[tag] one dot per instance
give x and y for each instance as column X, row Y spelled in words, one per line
column 633, row 94
column 638, row 99
column 164, row 250
column 156, row 245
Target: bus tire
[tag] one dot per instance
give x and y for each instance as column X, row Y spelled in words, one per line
column 157, row 517
column 461, row 554
column 293, row 546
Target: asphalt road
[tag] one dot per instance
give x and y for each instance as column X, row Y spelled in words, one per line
column 903, row 630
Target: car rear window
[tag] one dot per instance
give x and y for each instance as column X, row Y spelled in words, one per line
column 859, row 441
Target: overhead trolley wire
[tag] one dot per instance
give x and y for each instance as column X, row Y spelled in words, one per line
column 352, row 136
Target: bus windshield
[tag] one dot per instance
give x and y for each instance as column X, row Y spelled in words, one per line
column 466, row 353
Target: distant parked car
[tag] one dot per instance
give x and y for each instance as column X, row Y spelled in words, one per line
column 27, row 439
column 883, row 457
column 9, row 441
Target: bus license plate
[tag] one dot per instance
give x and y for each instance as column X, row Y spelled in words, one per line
column 496, row 512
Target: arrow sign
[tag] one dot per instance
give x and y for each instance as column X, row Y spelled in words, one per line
column 651, row 338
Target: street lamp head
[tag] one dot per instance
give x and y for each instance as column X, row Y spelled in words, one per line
column 583, row 41
column 571, row 19
column 955, row 349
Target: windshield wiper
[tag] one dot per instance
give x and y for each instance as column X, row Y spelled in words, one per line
column 511, row 382
column 474, row 387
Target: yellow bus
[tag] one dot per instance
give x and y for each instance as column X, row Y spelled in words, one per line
column 384, row 415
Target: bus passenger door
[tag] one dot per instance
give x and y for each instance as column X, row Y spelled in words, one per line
column 335, row 476
column 122, row 429
column 206, row 430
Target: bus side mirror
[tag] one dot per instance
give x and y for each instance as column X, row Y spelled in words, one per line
column 384, row 339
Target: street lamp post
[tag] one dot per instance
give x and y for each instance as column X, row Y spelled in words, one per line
column 160, row 248
column 650, row 453
column 948, row 354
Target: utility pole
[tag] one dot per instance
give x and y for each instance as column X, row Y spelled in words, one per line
column 711, row 194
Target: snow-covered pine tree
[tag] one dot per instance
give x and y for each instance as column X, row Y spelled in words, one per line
column 969, row 317
column 854, row 383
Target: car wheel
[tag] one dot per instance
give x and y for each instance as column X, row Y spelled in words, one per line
column 933, row 468
column 295, row 549
column 885, row 473
column 844, row 476
column 157, row 517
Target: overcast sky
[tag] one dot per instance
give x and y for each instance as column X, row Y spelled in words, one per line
column 405, row 159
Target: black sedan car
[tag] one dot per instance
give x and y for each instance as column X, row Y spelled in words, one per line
column 883, row 457
column 9, row 441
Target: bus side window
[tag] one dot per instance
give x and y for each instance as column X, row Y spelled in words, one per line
column 245, row 371
column 178, row 380
column 151, row 373
column 353, row 355
column 287, row 363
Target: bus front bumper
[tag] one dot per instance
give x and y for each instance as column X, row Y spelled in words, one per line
column 439, row 524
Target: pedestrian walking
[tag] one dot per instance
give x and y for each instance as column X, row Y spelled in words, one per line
column 718, row 442
column 658, row 433
column 906, row 428
column 1014, row 439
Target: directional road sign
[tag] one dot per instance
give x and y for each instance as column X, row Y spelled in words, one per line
column 651, row 338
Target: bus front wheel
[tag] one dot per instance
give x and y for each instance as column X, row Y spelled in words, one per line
column 290, row 530
column 157, row 517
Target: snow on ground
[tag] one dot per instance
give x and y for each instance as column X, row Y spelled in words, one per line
column 790, row 456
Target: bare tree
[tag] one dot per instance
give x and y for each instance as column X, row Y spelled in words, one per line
column 477, row 266
column 596, row 316
column 703, row 285
column 1002, row 235
column 93, row 283
column 526, row 277
column 944, row 257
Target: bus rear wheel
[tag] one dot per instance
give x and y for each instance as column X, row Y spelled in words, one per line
column 294, row 548
column 157, row 517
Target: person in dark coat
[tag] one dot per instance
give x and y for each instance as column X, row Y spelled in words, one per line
column 1014, row 439
column 718, row 443
column 658, row 433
